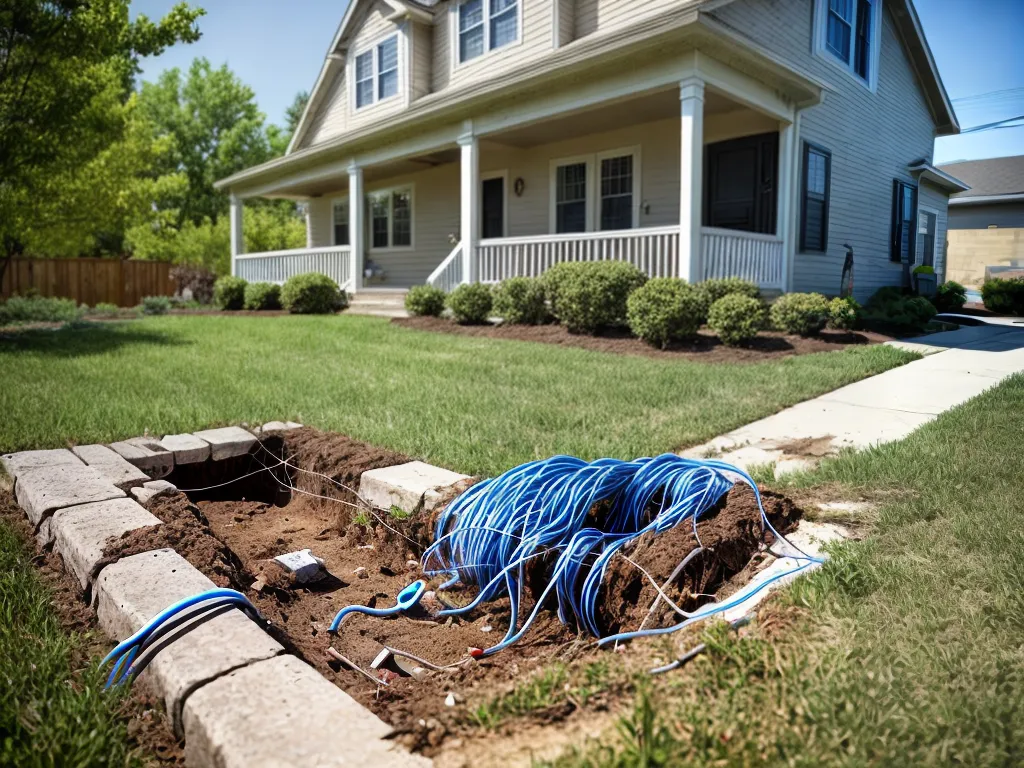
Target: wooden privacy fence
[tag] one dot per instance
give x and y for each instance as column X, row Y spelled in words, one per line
column 89, row 281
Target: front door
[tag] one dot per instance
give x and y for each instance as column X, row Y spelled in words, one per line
column 740, row 183
column 493, row 208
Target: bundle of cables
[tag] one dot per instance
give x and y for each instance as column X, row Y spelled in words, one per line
column 132, row 655
column 580, row 514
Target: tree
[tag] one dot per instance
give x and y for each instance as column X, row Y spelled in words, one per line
column 280, row 138
column 64, row 64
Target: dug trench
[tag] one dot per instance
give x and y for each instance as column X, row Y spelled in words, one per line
column 233, row 517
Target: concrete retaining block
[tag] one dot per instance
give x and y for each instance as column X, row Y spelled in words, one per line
column 152, row 489
column 281, row 712
column 227, row 442
column 187, row 449
column 276, row 428
column 41, row 490
column 133, row 590
column 19, row 462
column 147, row 455
column 80, row 533
column 404, row 485
column 110, row 463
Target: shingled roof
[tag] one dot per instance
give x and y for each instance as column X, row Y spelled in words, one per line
column 991, row 178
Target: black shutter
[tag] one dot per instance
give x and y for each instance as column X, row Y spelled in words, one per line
column 904, row 221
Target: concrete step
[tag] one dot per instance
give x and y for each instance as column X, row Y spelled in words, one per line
column 379, row 303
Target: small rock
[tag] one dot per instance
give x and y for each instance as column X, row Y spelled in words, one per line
column 449, row 700
column 487, row 629
column 258, row 585
column 412, row 565
column 365, row 546
column 361, row 573
column 419, row 673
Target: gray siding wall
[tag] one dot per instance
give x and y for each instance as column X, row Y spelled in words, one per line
column 984, row 216
column 873, row 137
column 566, row 21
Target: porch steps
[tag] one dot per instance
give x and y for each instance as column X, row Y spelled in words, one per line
column 379, row 302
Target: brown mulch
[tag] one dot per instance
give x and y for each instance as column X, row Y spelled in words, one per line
column 705, row 347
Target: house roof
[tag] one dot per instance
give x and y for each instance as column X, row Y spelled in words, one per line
column 997, row 179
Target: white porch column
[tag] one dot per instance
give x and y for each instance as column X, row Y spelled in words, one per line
column 237, row 238
column 470, row 205
column 785, row 227
column 356, row 228
column 691, row 178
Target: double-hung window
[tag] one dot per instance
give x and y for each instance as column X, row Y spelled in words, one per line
column 904, row 221
column 849, row 34
column 391, row 218
column 377, row 73
column 485, row 25
column 341, row 235
column 817, row 179
column 595, row 190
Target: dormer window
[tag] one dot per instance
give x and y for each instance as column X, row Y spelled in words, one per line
column 485, row 25
column 377, row 73
column 847, row 35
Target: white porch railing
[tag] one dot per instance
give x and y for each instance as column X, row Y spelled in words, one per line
column 655, row 250
column 278, row 266
column 748, row 255
column 448, row 274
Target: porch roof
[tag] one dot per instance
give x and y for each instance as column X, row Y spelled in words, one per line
column 436, row 120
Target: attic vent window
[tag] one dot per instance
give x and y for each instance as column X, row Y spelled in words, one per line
column 485, row 25
column 377, row 73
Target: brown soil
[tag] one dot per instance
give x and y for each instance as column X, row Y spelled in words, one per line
column 705, row 348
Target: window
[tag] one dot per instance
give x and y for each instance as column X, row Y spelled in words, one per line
column 848, row 35
column 571, row 198
column 376, row 73
column 617, row 192
column 817, row 181
column 341, row 236
column 904, row 219
column 485, row 25
column 926, row 222
column 391, row 218
column 595, row 191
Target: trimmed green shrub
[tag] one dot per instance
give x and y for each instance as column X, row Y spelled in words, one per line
column 891, row 311
column 801, row 313
column 843, row 313
column 717, row 288
column 312, row 293
column 924, row 269
column 736, row 318
column 155, row 305
column 521, row 301
column 471, row 303
column 260, row 296
column 949, row 297
column 229, row 292
column 1004, row 297
column 39, row 309
column 425, row 300
column 664, row 310
column 588, row 296
column 105, row 309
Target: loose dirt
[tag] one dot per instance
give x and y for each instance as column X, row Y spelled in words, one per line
column 705, row 347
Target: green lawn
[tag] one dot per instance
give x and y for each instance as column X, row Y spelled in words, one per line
column 475, row 405
column 908, row 648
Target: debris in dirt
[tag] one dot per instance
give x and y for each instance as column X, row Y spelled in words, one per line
column 302, row 565
column 259, row 585
column 449, row 700
column 361, row 573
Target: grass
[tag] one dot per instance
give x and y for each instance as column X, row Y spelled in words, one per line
column 472, row 404
column 53, row 711
column 905, row 649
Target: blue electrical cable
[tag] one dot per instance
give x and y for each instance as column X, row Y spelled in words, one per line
column 406, row 599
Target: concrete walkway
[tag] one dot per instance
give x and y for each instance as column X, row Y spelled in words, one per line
column 957, row 366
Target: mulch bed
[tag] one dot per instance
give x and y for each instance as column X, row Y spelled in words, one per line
column 706, row 347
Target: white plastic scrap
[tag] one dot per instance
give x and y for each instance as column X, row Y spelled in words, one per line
column 304, row 565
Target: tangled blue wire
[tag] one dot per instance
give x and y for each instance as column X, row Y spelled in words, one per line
column 582, row 514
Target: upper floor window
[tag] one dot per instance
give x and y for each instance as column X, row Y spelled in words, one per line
column 485, row 25
column 377, row 73
column 848, row 34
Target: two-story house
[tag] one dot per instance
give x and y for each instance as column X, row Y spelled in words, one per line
column 449, row 141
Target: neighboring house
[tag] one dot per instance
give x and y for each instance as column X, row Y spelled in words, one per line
column 986, row 223
column 449, row 142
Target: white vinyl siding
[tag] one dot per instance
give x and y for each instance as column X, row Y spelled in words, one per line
column 331, row 116
column 421, row 60
column 592, row 16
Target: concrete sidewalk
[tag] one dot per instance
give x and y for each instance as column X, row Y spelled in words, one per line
column 957, row 366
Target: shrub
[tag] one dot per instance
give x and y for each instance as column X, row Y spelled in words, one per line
column 802, row 313
column 588, row 296
column 312, row 293
column 521, row 301
column 155, row 305
column 1005, row 297
column 229, row 292
column 39, row 309
column 890, row 311
column 718, row 288
column 471, row 303
column 949, row 297
column 105, row 309
column 425, row 300
column 924, row 269
column 736, row 318
column 843, row 313
column 665, row 309
column 193, row 282
column 260, row 296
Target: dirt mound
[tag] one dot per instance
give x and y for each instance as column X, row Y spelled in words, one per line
column 730, row 533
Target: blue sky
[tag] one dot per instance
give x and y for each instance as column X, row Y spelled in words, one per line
column 277, row 48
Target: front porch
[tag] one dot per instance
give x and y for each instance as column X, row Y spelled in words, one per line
column 694, row 179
